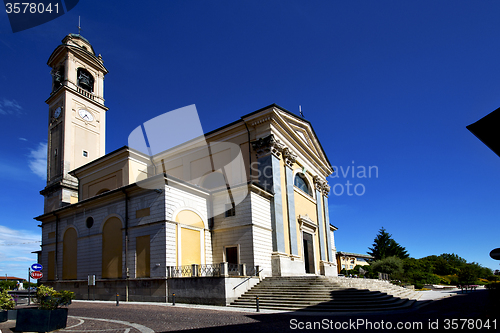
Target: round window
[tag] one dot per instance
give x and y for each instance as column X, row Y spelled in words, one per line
column 89, row 222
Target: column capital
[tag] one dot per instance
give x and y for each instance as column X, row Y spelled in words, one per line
column 266, row 146
column 326, row 190
column 321, row 186
column 289, row 157
column 318, row 183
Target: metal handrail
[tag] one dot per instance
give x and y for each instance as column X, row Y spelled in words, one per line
column 248, row 278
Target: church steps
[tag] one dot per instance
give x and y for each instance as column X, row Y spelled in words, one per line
column 317, row 293
column 347, row 294
column 317, row 301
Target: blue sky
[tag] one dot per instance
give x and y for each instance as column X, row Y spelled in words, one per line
column 385, row 83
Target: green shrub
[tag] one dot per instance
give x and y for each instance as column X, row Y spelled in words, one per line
column 6, row 301
column 7, row 285
column 49, row 299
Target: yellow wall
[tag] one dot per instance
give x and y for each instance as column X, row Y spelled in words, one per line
column 190, row 249
column 306, row 205
column 142, row 249
column 190, row 239
column 112, row 249
column 190, row 218
column 109, row 181
column 70, row 244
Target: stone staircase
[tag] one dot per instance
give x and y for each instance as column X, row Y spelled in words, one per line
column 331, row 294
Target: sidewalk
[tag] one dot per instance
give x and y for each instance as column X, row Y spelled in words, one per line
column 132, row 317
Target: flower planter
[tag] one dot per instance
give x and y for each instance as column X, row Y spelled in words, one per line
column 36, row 320
column 3, row 315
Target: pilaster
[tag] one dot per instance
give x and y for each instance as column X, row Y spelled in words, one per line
column 318, row 183
column 290, row 159
column 268, row 152
column 326, row 191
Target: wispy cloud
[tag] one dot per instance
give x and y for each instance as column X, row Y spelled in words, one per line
column 10, row 107
column 15, row 250
column 38, row 160
column 23, row 139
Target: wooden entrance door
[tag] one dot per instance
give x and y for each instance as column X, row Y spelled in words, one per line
column 308, row 252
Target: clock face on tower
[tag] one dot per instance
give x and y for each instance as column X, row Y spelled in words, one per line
column 85, row 115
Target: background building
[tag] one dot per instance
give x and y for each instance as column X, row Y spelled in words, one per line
column 349, row 260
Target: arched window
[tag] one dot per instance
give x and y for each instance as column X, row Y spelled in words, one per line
column 191, row 237
column 70, row 254
column 112, row 249
column 301, row 182
column 85, row 79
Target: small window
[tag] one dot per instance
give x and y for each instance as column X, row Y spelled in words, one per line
column 85, row 153
column 230, row 210
column 300, row 181
column 89, row 222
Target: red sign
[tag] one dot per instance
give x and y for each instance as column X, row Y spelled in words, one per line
column 36, row 275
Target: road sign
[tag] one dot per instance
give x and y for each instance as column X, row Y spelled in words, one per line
column 495, row 254
column 36, row 275
column 36, row 267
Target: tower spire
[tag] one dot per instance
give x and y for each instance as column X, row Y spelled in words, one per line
column 79, row 27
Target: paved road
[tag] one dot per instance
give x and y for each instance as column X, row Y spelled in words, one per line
column 148, row 318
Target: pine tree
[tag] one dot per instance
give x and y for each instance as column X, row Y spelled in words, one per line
column 384, row 246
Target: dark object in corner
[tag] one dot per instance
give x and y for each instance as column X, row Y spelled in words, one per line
column 487, row 129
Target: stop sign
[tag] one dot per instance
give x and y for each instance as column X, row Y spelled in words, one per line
column 36, row 275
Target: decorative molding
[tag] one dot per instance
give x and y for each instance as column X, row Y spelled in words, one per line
column 261, row 121
column 321, row 186
column 289, row 157
column 267, row 145
column 306, row 224
column 326, row 189
column 318, row 183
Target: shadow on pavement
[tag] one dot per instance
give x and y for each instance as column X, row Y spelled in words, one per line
column 479, row 309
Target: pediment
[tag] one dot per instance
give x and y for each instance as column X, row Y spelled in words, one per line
column 301, row 133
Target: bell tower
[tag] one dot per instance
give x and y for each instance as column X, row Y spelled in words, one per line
column 77, row 117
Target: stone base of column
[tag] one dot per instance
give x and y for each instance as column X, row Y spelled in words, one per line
column 328, row 268
column 285, row 265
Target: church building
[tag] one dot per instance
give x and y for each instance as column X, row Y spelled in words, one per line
column 162, row 215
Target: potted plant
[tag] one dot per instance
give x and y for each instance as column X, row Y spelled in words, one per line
column 6, row 303
column 49, row 315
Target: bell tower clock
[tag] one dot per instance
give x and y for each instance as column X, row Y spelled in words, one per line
column 77, row 117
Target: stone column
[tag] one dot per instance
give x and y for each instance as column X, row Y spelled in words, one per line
column 326, row 191
column 268, row 151
column 318, row 183
column 290, row 159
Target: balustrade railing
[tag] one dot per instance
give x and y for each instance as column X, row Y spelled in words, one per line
column 212, row 270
